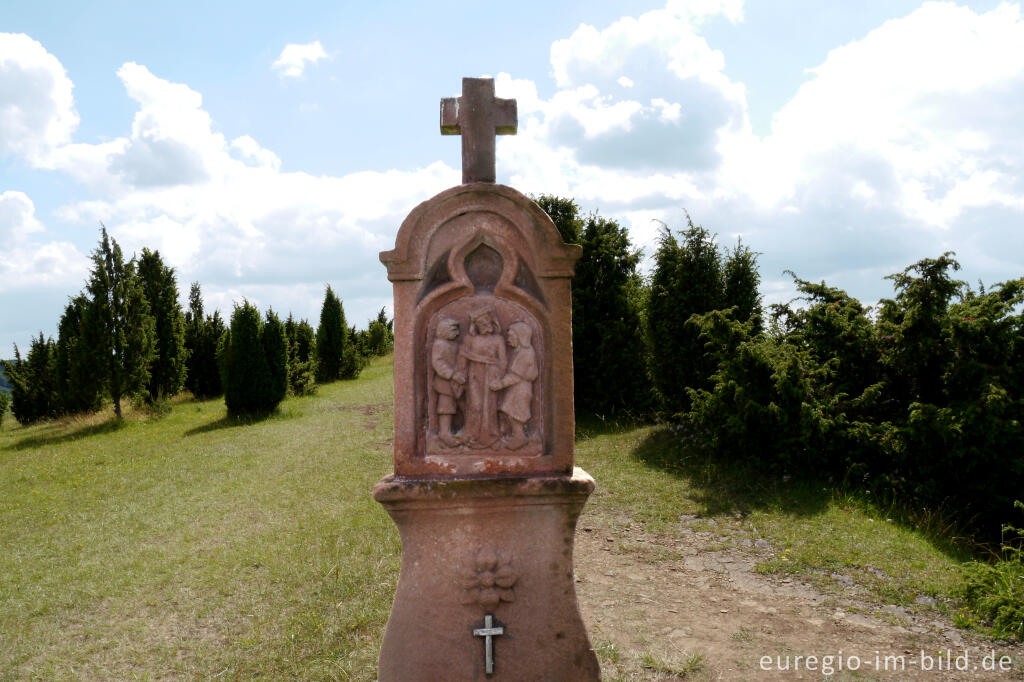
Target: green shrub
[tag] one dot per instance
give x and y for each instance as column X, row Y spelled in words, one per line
column 169, row 365
column 302, row 378
column 767, row 403
column 118, row 328
column 253, row 361
column 78, row 382
column 609, row 346
column 275, row 348
column 301, row 356
column 924, row 404
column 4, row 400
column 202, row 336
column 693, row 276
column 952, row 420
column 353, row 360
column 332, row 338
column 380, row 335
column 996, row 591
column 34, row 382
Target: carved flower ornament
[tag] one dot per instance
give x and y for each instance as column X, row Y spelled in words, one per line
column 488, row 579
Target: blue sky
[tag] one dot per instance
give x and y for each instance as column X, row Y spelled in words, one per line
column 268, row 150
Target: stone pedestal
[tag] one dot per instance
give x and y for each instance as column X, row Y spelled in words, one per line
column 484, row 493
column 473, row 547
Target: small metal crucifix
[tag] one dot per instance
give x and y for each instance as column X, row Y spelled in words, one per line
column 489, row 632
column 478, row 116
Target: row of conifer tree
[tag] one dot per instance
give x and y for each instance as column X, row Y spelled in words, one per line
column 918, row 400
column 921, row 398
column 633, row 353
column 916, row 403
column 126, row 337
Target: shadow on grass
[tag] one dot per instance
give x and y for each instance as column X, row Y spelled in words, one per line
column 726, row 487
column 591, row 426
column 722, row 487
column 58, row 435
column 229, row 422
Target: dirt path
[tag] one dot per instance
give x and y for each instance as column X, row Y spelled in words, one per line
column 692, row 606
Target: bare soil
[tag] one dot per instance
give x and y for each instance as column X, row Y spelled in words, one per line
column 691, row 605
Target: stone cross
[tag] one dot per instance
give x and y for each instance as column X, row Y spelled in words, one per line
column 489, row 632
column 485, row 494
column 478, row 116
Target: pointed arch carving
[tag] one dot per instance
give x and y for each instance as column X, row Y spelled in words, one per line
column 495, row 395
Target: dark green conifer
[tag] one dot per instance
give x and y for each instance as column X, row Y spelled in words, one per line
column 118, row 323
column 246, row 376
column 168, row 368
column 301, row 356
column 565, row 214
column 742, row 282
column 354, row 357
column 33, row 381
column 202, row 335
column 609, row 350
column 687, row 280
column 331, row 338
column 193, row 334
column 380, row 339
column 78, row 384
column 253, row 357
column 275, row 348
column 305, row 342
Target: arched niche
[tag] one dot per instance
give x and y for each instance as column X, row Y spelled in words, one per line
column 469, row 248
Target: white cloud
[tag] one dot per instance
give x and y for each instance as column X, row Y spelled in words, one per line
column 908, row 116
column 668, row 112
column 171, row 141
column 294, row 58
column 58, row 265
column 698, row 11
column 221, row 212
column 36, row 105
column 249, row 151
column 225, row 214
column 639, row 48
column 645, row 95
column 26, row 262
column 17, row 218
column 898, row 146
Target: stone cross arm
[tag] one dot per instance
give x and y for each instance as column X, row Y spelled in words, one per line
column 478, row 116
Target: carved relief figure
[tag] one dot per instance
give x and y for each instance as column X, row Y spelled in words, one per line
column 518, row 382
column 448, row 380
column 482, row 359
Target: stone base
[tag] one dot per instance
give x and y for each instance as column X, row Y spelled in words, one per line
column 472, row 547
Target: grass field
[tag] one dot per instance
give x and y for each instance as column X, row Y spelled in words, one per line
column 646, row 475
column 198, row 547
column 195, row 546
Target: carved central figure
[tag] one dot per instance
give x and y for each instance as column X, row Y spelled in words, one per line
column 483, row 356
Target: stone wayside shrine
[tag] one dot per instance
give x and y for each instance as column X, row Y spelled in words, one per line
column 484, row 492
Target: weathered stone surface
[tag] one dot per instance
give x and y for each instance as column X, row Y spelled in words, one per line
column 484, row 492
column 479, row 546
column 478, row 116
column 482, row 255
